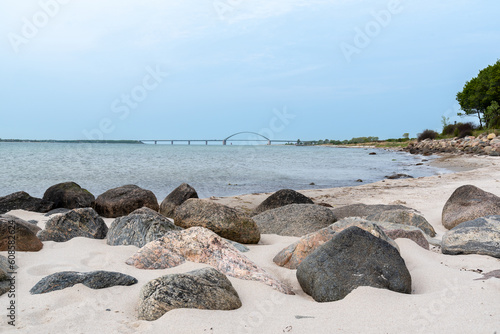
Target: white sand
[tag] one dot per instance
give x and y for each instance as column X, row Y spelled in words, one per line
column 445, row 296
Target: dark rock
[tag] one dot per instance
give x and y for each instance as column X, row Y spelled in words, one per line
column 363, row 210
column 294, row 219
column 281, row 198
column 478, row 236
column 372, row 153
column 404, row 217
column 205, row 289
column 178, row 196
column 25, row 235
column 291, row 256
column 198, row 244
column 468, row 203
column 352, row 258
column 56, row 211
column 123, row 200
column 75, row 223
column 23, row 201
column 223, row 220
column 398, row 176
column 94, row 280
column 138, row 228
column 69, row 195
column 359, row 180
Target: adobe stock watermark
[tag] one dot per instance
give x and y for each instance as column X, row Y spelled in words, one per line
column 364, row 36
column 121, row 107
column 31, row 27
column 226, row 8
column 430, row 313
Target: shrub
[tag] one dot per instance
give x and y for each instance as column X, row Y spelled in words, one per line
column 449, row 129
column 465, row 129
column 427, row 134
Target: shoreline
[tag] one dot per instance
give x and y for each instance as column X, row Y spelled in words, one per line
column 447, row 295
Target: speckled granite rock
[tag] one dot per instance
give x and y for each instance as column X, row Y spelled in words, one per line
column 205, row 289
column 138, row 228
column 201, row 245
column 404, row 217
column 478, row 236
column 75, row 223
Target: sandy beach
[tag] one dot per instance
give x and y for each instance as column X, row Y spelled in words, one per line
column 446, row 295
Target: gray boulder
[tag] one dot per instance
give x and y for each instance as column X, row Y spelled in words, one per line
column 205, row 289
column 23, row 201
column 468, row 203
column 138, row 228
column 123, row 200
column 281, row 198
column 178, row 196
column 363, row 210
column 404, row 217
column 227, row 222
column 352, row 258
column 69, row 195
column 478, row 236
column 75, row 223
column 294, row 219
column 94, row 280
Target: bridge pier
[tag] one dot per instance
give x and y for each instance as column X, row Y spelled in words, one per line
column 268, row 142
column 171, row 142
column 189, row 142
column 206, row 142
column 156, row 142
column 224, row 142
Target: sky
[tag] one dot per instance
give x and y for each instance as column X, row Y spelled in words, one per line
column 205, row 69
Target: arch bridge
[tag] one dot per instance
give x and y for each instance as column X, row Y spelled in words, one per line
column 224, row 141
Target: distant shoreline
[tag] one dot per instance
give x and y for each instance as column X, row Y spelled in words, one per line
column 71, row 141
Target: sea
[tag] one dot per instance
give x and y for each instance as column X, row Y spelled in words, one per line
column 213, row 170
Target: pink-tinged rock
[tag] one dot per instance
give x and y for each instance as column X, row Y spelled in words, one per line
column 198, row 244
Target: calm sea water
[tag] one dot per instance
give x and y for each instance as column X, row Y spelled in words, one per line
column 211, row 170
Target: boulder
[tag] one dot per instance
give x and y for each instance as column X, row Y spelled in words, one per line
column 75, row 223
column 205, row 289
column 69, row 195
column 178, row 196
column 468, row 203
column 223, row 220
column 363, row 210
column 201, row 245
column 94, row 280
column 123, row 200
column 294, row 219
column 23, row 201
column 396, row 231
column 281, row 198
column 291, row 256
column 404, row 217
column 478, row 236
column 352, row 258
column 18, row 233
column 138, row 228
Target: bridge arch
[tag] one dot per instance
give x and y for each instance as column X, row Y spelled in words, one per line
column 249, row 132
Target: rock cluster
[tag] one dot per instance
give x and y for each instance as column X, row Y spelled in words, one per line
column 23, row 201
column 484, row 144
column 198, row 244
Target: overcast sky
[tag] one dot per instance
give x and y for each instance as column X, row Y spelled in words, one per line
column 202, row 69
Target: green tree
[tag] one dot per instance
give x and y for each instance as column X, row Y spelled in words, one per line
column 480, row 92
column 406, row 135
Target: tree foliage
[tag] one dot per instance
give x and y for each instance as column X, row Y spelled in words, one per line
column 480, row 93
